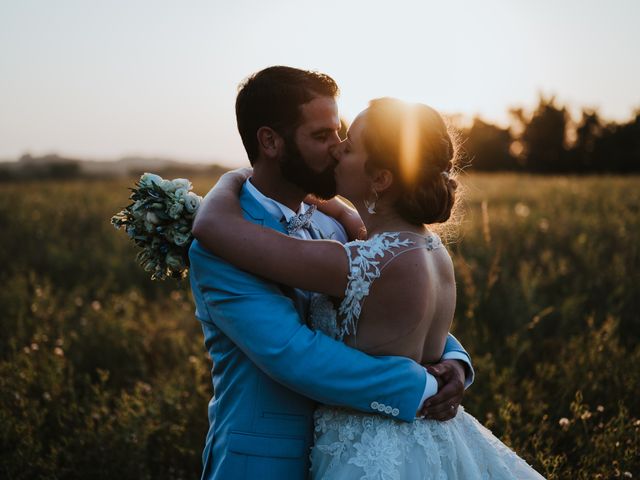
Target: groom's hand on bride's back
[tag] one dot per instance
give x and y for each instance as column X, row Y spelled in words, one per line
column 450, row 375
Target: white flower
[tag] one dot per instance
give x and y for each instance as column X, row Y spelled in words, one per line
column 175, row 210
column 191, row 202
column 180, row 194
column 152, row 218
column 148, row 179
column 167, row 186
column 182, row 183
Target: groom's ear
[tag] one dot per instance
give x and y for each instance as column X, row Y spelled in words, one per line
column 271, row 143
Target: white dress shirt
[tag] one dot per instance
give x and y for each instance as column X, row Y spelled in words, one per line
column 278, row 210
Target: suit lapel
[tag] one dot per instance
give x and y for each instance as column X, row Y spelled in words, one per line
column 256, row 213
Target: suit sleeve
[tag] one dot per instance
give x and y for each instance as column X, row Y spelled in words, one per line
column 265, row 325
column 453, row 351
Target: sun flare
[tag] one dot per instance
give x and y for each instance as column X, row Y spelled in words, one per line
column 409, row 144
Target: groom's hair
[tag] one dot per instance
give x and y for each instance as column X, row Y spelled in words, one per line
column 272, row 98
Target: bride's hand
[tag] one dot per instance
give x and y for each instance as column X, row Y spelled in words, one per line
column 221, row 202
column 343, row 213
column 234, row 179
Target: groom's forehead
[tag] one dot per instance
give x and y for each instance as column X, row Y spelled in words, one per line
column 320, row 113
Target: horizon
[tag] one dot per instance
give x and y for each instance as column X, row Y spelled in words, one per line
column 151, row 79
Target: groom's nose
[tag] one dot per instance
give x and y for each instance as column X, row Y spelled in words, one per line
column 336, row 150
column 334, row 141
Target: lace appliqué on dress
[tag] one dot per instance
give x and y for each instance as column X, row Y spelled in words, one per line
column 367, row 259
column 364, row 267
column 351, row 445
column 322, row 315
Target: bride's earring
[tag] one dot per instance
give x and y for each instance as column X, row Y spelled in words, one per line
column 371, row 206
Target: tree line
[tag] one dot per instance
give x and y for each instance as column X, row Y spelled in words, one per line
column 548, row 140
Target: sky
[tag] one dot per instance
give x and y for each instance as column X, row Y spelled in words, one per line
column 101, row 79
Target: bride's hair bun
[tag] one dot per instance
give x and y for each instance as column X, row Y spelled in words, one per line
column 429, row 200
column 413, row 142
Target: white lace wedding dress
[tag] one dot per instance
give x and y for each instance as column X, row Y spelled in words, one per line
column 353, row 445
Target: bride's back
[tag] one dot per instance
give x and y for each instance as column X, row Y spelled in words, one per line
column 409, row 307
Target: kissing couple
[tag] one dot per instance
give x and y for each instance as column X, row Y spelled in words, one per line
column 328, row 326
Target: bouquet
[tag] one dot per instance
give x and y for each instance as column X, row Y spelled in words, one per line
column 159, row 221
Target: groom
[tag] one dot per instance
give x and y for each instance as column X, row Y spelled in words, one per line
column 269, row 369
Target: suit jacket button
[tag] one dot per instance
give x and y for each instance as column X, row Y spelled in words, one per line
column 374, row 405
column 381, row 407
column 388, row 409
column 395, row 412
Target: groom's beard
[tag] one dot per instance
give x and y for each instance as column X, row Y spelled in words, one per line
column 295, row 170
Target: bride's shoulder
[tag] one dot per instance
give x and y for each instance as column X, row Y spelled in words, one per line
column 367, row 258
column 387, row 249
column 391, row 242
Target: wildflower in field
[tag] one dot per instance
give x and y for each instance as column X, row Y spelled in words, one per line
column 543, row 225
column 564, row 423
column 522, row 210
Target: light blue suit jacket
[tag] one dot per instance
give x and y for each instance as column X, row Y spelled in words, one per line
column 270, row 370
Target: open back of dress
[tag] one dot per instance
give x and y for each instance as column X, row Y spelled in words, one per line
column 350, row 444
column 400, row 296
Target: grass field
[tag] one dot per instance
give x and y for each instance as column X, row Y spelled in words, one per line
column 103, row 373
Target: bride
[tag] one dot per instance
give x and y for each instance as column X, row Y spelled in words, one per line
column 391, row 293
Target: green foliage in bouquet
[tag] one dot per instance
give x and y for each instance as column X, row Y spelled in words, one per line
column 159, row 221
